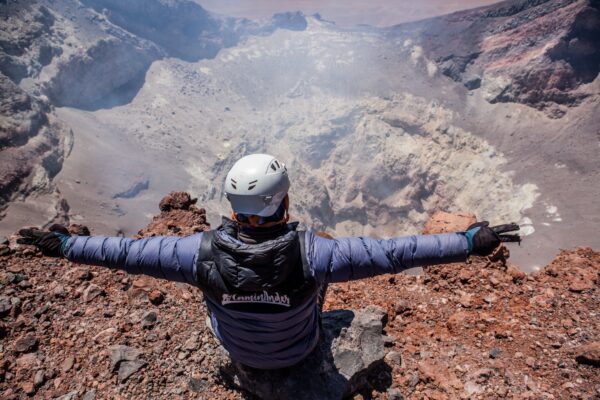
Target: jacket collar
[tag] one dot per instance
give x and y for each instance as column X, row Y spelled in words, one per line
column 255, row 266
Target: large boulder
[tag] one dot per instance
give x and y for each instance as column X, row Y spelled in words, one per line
column 351, row 347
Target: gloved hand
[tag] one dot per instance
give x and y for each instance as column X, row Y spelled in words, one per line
column 49, row 242
column 484, row 239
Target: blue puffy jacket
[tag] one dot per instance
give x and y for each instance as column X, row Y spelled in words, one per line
column 260, row 340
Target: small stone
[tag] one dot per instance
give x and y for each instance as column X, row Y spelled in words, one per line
column 128, row 368
column 580, row 286
column 39, row 378
column 4, row 250
column 69, row 396
column 489, row 299
column 28, row 361
column 26, row 344
column 91, row 292
column 502, row 392
column 28, row 388
column 59, row 291
column 105, row 335
column 198, row 385
column 5, row 305
column 530, row 362
column 67, row 364
column 402, row 307
column 567, row 323
column 457, row 321
column 589, row 354
column 3, row 240
column 394, row 358
column 465, row 300
column 394, row 394
column 25, row 285
column 149, row 320
column 156, row 297
column 516, row 274
column 465, row 276
column 191, row 344
column 472, row 388
column 85, row 275
column 42, row 310
column 495, row 352
column 122, row 353
column 89, row 395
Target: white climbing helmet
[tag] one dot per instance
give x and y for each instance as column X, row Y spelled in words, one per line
column 256, row 185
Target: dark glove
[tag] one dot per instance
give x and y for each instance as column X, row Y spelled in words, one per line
column 49, row 242
column 484, row 239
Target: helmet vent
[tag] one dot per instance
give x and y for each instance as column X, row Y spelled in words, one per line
column 234, row 183
column 251, row 187
column 273, row 167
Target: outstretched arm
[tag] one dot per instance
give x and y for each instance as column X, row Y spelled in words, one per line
column 351, row 258
column 167, row 257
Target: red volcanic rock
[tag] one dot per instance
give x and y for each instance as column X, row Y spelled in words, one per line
column 26, row 343
column 176, row 201
column 444, row 327
column 156, row 297
column 179, row 217
column 589, row 354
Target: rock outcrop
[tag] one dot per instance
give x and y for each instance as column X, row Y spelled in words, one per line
column 478, row 329
column 27, row 39
column 32, row 146
column 90, row 55
column 533, row 52
column 178, row 216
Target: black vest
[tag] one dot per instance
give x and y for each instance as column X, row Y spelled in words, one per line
column 268, row 277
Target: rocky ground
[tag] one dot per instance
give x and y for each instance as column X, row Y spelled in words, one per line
column 482, row 329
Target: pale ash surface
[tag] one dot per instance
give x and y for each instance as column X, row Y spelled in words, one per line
column 372, row 142
column 378, row 138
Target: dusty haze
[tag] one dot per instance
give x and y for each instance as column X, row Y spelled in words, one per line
column 345, row 13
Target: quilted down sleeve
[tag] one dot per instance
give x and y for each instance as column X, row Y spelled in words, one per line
column 352, row 258
column 166, row 257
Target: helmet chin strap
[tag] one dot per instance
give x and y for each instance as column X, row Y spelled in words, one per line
column 255, row 218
